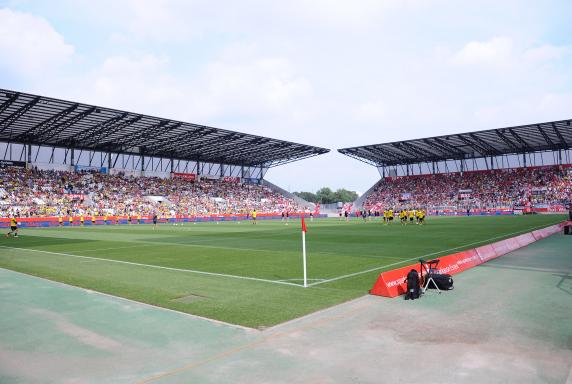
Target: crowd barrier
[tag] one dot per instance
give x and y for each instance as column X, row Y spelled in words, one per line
column 30, row 222
column 392, row 283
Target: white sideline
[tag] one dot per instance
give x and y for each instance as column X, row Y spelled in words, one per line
column 422, row 256
column 157, row 266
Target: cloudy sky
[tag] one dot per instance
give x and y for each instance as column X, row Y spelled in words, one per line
column 326, row 73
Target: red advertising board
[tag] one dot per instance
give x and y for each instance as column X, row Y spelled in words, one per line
column 392, row 283
column 231, row 179
column 186, row 176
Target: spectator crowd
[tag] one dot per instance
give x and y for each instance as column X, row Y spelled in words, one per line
column 486, row 190
column 44, row 193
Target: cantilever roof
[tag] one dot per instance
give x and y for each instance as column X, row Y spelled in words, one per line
column 33, row 119
column 550, row 136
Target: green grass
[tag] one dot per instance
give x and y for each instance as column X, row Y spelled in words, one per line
column 270, row 251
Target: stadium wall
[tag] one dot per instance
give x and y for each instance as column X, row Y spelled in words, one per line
column 392, row 283
column 31, row 222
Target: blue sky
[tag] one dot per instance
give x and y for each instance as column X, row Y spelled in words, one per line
column 331, row 74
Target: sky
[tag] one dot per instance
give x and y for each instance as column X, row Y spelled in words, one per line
column 332, row 74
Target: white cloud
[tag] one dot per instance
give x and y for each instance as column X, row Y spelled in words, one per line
column 29, row 45
column 243, row 82
column 241, row 89
column 496, row 51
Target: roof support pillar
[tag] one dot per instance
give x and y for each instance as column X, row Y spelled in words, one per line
column 221, row 170
column 560, row 156
column 172, row 165
column 72, row 157
column 524, row 159
column 29, row 146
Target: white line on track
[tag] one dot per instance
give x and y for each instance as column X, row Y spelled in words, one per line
column 422, row 256
column 158, row 266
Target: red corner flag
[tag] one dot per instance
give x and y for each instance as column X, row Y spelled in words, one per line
column 303, row 225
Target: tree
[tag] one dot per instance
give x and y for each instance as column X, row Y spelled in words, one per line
column 308, row 196
column 345, row 196
column 325, row 196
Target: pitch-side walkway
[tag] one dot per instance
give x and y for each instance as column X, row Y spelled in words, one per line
column 507, row 321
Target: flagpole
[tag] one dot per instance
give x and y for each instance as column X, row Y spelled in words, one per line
column 304, row 258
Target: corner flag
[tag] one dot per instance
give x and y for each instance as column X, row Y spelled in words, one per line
column 304, row 251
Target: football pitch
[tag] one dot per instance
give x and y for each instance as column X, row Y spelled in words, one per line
column 245, row 274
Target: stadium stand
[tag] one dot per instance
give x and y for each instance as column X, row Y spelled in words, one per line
column 39, row 193
column 505, row 170
column 507, row 189
column 64, row 158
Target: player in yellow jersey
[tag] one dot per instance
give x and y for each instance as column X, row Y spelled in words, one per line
column 81, row 220
column 70, row 219
column 13, row 228
column 92, row 219
column 411, row 216
column 61, row 221
column 385, row 216
column 254, row 214
column 421, row 217
column 403, row 217
column 390, row 216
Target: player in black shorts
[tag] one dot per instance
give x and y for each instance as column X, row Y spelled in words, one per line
column 13, row 228
column 154, row 221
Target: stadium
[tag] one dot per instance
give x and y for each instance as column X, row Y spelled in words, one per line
column 145, row 249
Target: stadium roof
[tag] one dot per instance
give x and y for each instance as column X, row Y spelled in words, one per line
column 33, row 119
column 550, row 136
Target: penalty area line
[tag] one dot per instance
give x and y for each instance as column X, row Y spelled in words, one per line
column 158, row 266
column 427, row 255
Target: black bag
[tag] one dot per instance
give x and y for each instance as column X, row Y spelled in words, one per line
column 444, row 281
column 412, row 285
